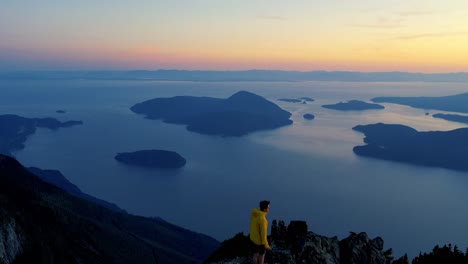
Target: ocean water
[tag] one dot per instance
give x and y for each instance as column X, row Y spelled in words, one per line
column 307, row 170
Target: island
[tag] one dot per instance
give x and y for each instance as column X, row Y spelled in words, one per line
column 452, row 117
column 307, row 99
column 309, row 116
column 452, row 103
column 15, row 130
column 60, row 111
column 152, row 159
column 353, row 105
column 444, row 149
column 298, row 100
column 290, row 100
column 238, row 115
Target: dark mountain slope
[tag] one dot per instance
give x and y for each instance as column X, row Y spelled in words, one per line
column 56, row 178
column 40, row 223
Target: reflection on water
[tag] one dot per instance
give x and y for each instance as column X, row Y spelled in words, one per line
column 307, row 170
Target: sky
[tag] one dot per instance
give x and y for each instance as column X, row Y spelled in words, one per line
column 351, row 35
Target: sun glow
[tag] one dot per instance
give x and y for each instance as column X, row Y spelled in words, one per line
column 421, row 36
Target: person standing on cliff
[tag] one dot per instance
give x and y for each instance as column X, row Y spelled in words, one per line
column 258, row 232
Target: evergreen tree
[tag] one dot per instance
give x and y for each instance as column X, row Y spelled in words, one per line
column 442, row 255
column 402, row 260
column 388, row 255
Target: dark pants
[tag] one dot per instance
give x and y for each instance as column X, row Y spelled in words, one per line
column 260, row 249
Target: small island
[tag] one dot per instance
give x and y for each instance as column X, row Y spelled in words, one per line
column 309, row 116
column 444, row 149
column 290, row 100
column 152, row 159
column 452, row 117
column 353, row 105
column 452, row 103
column 238, row 115
column 16, row 129
column 303, row 100
column 60, row 111
column 307, row 99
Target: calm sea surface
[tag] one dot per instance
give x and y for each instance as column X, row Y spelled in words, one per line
column 307, row 170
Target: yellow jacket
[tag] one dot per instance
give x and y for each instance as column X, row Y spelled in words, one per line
column 259, row 228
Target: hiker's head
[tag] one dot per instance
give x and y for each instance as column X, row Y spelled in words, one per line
column 265, row 206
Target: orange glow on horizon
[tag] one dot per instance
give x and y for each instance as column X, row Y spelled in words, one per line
column 429, row 36
column 409, row 56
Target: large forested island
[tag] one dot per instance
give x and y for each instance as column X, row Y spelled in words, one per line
column 152, row 159
column 16, row 129
column 445, row 149
column 353, row 105
column 454, row 103
column 238, row 115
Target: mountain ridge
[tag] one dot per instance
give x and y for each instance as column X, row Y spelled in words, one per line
column 44, row 224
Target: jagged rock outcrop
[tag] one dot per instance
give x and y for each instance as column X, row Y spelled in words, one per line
column 295, row 244
column 359, row 248
column 10, row 239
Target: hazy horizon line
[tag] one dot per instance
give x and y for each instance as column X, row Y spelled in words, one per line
column 226, row 70
column 234, row 75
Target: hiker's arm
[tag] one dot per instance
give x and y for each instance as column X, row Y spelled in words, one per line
column 263, row 228
column 260, row 235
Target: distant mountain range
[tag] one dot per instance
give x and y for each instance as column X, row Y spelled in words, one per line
column 232, row 76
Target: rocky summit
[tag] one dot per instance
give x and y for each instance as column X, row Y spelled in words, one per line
column 295, row 244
